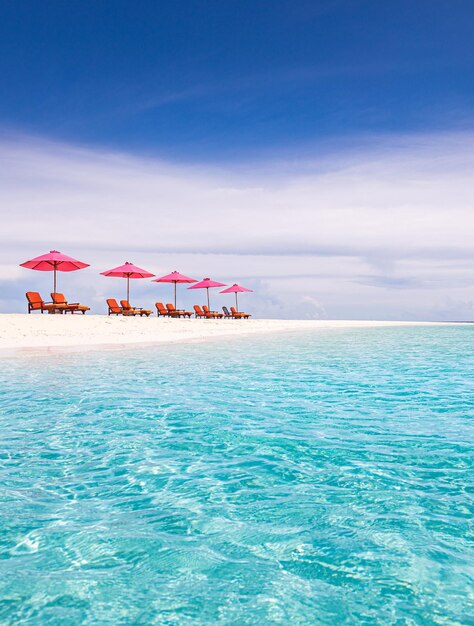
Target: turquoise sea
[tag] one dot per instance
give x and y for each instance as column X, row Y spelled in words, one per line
column 323, row 478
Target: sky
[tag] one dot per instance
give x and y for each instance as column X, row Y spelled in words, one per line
column 320, row 153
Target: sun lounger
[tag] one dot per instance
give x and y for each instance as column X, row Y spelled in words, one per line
column 214, row 314
column 239, row 314
column 227, row 314
column 73, row 307
column 115, row 309
column 198, row 312
column 36, row 303
column 138, row 311
column 161, row 310
column 234, row 316
column 177, row 312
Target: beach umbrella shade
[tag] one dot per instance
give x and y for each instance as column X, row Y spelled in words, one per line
column 236, row 289
column 128, row 271
column 175, row 277
column 54, row 261
column 207, row 284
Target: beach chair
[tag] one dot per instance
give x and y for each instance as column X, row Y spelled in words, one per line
column 234, row 316
column 36, row 303
column 214, row 314
column 60, row 300
column 161, row 311
column 138, row 311
column 239, row 314
column 177, row 312
column 227, row 315
column 115, row 309
column 198, row 312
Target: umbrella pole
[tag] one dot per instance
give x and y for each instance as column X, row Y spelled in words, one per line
column 128, row 289
column 236, row 303
column 208, row 305
column 54, row 282
column 174, row 294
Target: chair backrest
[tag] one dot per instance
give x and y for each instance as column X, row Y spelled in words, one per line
column 58, row 298
column 34, row 299
column 125, row 305
column 198, row 310
column 205, row 308
column 234, row 311
column 113, row 306
column 226, row 311
column 171, row 308
column 160, row 308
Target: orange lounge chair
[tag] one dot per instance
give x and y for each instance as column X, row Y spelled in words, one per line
column 36, row 303
column 177, row 312
column 127, row 307
column 198, row 312
column 60, row 300
column 161, row 311
column 115, row 309
column 237, row 314
column 214, row 314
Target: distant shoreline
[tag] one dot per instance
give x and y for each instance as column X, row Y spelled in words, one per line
column 21, row 333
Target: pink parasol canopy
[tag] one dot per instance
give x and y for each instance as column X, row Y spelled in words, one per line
column 54, row 261
column 207, row 283
column 174, row 277
column 128, row 271
column 236, row 289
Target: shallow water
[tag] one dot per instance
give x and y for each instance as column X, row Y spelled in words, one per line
column 322, row 478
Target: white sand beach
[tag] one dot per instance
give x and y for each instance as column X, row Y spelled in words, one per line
column 77, row 332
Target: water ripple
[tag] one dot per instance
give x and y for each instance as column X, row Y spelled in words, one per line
column 301, row 479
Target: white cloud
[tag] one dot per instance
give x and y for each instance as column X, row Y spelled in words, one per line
column 381, row 229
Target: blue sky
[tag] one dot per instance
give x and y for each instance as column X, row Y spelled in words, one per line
column 210, row 79
column 320, row 153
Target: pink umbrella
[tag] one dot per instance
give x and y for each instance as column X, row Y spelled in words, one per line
column 235, row 289
column 207, row 283
column 128, row 271
column 54, row 261
column 174, row 277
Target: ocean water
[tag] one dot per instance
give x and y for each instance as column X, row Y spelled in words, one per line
column 323, row 478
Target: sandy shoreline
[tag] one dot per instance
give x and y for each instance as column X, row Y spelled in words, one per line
column 73, row 332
